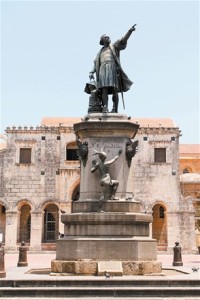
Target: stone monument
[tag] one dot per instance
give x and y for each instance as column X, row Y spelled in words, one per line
column 107, row 230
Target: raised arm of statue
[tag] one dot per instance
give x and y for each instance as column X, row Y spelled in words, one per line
column 114, row 159
column 128, row 34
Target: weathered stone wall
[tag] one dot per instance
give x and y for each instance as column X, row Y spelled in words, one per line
column 40, row 180
column 25, row 181
column 47, row 179
column 159, row 183
column 153, row 181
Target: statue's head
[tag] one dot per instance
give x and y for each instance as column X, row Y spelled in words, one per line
column 102, row 155
column 104, row 39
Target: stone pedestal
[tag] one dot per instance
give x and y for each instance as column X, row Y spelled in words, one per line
column 120, row 231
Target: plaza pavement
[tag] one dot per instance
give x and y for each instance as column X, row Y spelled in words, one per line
column 42, row 261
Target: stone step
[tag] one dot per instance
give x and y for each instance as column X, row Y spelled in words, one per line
column 100, row 282
column 105, row 298
column 103, row 287
column 91, row 291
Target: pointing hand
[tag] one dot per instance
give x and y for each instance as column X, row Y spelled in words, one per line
column 133, row 28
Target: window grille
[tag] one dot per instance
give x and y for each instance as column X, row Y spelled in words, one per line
column 50, row 226
column 160, row 155
column 72, row 154
column 25, row 156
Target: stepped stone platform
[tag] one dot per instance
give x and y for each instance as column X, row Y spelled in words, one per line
column 100, row 288
column 32, row 282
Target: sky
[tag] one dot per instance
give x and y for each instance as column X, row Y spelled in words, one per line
column 48, row 49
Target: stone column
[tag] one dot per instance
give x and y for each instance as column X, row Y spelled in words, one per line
column 36, row 230
column 11, row 230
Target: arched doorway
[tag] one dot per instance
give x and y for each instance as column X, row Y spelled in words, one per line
column 2, row 222
column 159, row 226
column 51, row 223
column 25, row 224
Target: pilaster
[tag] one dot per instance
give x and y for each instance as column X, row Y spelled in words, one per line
column 36, row 230
column 11, row 230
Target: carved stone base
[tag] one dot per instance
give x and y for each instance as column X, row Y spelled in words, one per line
column 90, row 267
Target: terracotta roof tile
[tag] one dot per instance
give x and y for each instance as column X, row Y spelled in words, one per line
column 151, row 122
column 188, row 149
column 60, row 121
column 154, row 122
column 3, row 145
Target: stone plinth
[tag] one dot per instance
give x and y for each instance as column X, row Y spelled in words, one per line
column 106, row 248
column 107, row 230
column 107, row 206
column 106, row 224
column 106, row 236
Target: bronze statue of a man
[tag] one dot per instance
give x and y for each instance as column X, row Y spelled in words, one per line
column 110, row 77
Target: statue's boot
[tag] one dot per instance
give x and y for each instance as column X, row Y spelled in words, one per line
column 115, row 103
column 105, row 109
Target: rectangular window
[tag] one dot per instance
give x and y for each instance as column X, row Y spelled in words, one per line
column 72, row 154
column 160, row 155
column 25, row 156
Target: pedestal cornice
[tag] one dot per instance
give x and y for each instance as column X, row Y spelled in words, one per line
column 100, row 125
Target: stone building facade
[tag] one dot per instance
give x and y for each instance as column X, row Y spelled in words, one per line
column 40, row 177
column 190, row 180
